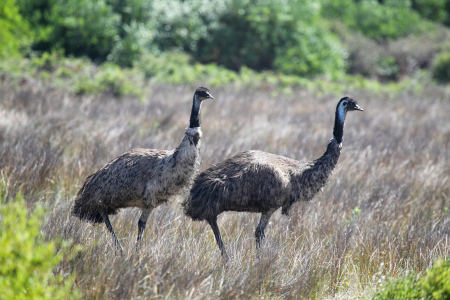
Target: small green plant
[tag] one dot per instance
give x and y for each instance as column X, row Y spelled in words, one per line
column 27, row 261
column 441, row 68
column 433, row 285
column 356, row 211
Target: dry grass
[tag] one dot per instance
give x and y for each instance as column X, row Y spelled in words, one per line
column 384, row 211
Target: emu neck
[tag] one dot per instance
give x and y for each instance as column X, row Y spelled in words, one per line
column 338, row 130
column 195, row 120
column 310, row 178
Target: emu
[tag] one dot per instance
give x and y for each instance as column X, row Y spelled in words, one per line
column 144, row 178
column 260, row 182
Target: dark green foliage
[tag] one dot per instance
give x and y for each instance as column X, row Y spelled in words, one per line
column 80, row 28
column 434, row 10
column 441, row 68
column 134, row 32
column 433, row 285
column 84, row 27
column 262, row 34
column 292, row 37
column 37, row 13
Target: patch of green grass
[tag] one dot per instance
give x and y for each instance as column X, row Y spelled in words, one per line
column 81, row 77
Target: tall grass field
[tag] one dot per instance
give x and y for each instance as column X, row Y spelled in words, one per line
column 384, row 212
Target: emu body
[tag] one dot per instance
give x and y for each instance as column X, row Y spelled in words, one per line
column 144, row 178
column 256, row 181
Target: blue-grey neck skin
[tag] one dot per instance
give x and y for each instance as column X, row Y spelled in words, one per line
column 338, row 130
column 195, row 120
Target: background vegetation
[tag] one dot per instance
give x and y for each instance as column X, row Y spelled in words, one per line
column 386, row 39
column 83, row 81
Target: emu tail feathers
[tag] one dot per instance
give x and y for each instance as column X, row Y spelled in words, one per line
column 201, row 204
column 85, row 212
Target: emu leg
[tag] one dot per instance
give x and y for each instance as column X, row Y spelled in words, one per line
column 111, row 230
column 142, row 224
column 215, row 228
column 259, row 233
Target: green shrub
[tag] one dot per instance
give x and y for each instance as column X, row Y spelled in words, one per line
column 436, row 283
column 315, row 52
column 434, row 10
column 390, row 20
column 441, row 67
column 433, row 285
column 27, row 262
column 15, row 32
column 84, row 27
column 406, row 287
column 111, row 79
column 79, row 27
column 177, row 68
column 135, row 33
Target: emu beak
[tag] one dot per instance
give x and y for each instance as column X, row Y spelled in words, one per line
column 356, row 107
column 210, row 96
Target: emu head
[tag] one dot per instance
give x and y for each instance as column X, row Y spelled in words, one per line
column 202, row 93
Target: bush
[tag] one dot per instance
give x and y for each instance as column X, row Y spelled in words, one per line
column 177, row 68
column 390, row 20
column 27, row 262
column 15, row 32
column 441, row 68
column 109, row 79
column 435, row 284
column 84, row 27
column 80, row 28
column 434, row 10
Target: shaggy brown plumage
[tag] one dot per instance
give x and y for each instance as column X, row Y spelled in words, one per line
column 144, row 178
column 256, row 181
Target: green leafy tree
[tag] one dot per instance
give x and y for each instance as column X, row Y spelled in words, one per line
column 15, row 34
column 259, row 34
column 84, row 27
column 434, row 10
column 379, row 21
